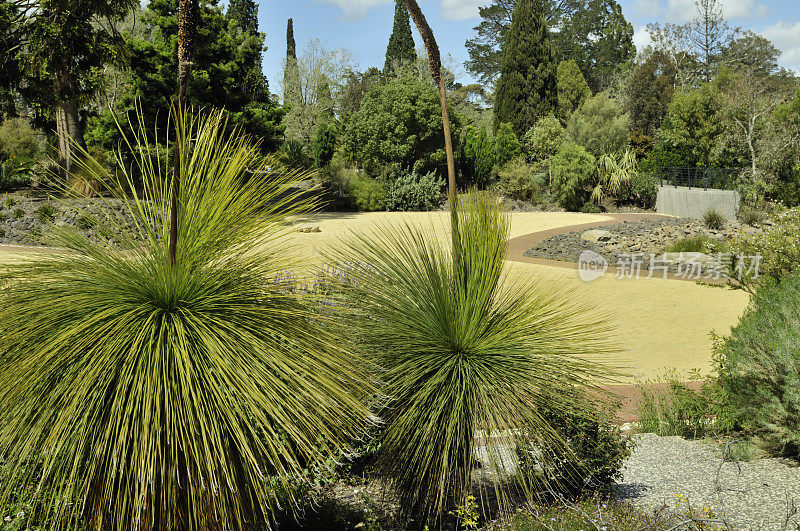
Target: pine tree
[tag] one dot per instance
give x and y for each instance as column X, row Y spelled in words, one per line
column 401, row 42
column 245, row 13
column 291, row 73
column 527, row 89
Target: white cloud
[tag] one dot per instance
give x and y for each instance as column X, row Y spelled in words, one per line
column 647, row 8
column 680, row 11
column 356, row 9
column 461, row 9
column 786, row 37
column 641, row 38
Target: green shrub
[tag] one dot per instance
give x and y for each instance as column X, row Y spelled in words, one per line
column 477, row 158
column 411, row 191
column 293, row 155
column 18, row 140
column 591, row 208
column 778, row 246
column 462, row 356
column 751, row 216
column 18, row 213
column 572, row 169
column 600, row 125
column 714, row 220
column 641, row 190
column 15, row 172
column 544, row 140
column 9, row 202
column 758, row 367
column 699, row 244
column 135, row 379
column 506, row 144
column 516, row 179
column 594, row 454
column 679, row 410
column 46, row 213
column 365, row 193
column 324, row 144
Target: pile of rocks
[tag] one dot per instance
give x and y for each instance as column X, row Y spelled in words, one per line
column 29, row 221
column 644, row 238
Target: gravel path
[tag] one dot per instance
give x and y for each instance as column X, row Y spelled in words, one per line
column 754, row 493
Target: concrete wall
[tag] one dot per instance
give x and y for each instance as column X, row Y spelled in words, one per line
column 694, row 202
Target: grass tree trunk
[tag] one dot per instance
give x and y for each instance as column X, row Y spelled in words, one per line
column 435, row 60
column 187, row 20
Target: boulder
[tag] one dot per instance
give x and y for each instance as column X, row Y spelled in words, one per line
column 597, row 235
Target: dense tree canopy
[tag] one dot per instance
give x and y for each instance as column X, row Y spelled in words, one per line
column 400, row 49
column 572, row 89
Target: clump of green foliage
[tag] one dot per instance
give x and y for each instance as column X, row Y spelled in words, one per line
column 184, row 394
column 506, row 144
column 778, row 246
column 464, row 354
column 411, row 191
column 758, row 367
column 751, row 216
column 18, row 213
column 544, row 139
column 9, row 202
column 641, row 190
column 699, row 244
column 46, row 213
column 477, row 157
column 675, row 410
column 517, row 180
column 364, row 192
column 714, row 220
column 572, row 169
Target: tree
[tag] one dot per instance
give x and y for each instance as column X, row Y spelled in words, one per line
column 751, row 52
column 709, row 34
column 693, row 126
column 544, row 139
column 291, row 74
column 399, row 123
column 485, row 49
column 648, row 92
column 572, row 170
column 245, row 14
column 572, row 89
column 477, row 157
column 600, row 125
column 506, row 144
column 62, row 46
column 401, row 49
column 324, row 144
column 527, row 87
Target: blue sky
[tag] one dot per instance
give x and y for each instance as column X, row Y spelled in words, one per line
column 363, row 26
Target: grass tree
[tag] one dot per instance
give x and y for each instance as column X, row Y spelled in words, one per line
column 470, row 360
column 138, row 392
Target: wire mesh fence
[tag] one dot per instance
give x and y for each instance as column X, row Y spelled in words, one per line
column 715, row 178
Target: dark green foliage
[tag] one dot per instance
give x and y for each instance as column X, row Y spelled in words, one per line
column 293, row 155
column 400, row 50
column 649, row 91
column 226, row 75
column 46, row 213
column 411, row 191
column 677, row 410
column 245, row 14
column 595, row 451
column 477, row 158
column 693, row 126
column 572, row 169
column 506, row 144
column 324, row 144
column 641, row 190
column 758, row 367
column 399, row 122
column 591, row 208
column 714, row 220
column 526, row 90
column 572, row 89
column 778, row 246
column 291, row 47
column 18, row 213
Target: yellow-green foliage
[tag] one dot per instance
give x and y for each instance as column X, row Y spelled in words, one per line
column 778, row 246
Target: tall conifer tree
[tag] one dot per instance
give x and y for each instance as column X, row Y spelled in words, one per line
column 401, row 42
column 526, row 90
column 291, row 73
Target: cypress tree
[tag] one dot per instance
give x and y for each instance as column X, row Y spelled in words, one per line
column 401, row 42
column 291, row 73
column 527, row 89
column 245, row 13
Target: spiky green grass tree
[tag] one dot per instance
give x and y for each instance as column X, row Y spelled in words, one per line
column 470, row 359
column 139, row 395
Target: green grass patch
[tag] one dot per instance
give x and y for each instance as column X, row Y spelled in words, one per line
column 699, row 244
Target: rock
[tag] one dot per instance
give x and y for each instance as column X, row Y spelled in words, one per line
column 597, row 235
column 698, row 258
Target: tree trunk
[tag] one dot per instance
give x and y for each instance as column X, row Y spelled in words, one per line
column 69, row 129
column 435, row 61
column 187, row 17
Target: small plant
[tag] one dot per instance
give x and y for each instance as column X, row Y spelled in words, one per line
column 467, row 513
column 18, row 213
column 678, row 410
column 591, row 208
column 517, row 180
column 86, row 222
column 3, row 216
column 9, row 202
column 699, row 244
column 751, row 216
column 46, row 213
column 714, row 220
column 366, row 194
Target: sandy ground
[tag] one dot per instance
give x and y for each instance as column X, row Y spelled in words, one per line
column 661, row 323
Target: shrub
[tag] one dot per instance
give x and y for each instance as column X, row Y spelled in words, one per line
column 641, row 190
column 18, row 213
column 365, row 193
column 462, row 354
column 46, row 213
column 324, row 144
column 714, row 220
column 506, row 144
column 699, row 244
column 751, row 216
column 544, row 139
column 591, row 208
column 9, row 202
column 293, row 155
column 181, row 395
column 758, row 367
column 572, row 169
column 679, row 410
column 516, row 179
column 778, row 246
column 411, row 191
column 15, row 172
column 18, row 140
column 477, row 158
column 600, row 125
